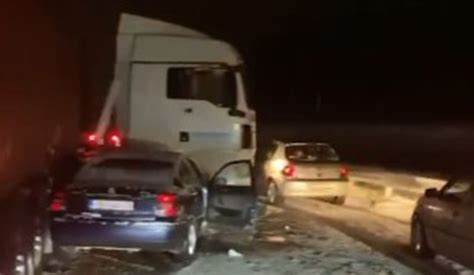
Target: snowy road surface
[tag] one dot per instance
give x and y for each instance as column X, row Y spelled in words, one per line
column 288, row 242
column 365, row 236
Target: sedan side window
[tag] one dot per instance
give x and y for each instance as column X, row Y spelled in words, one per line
column 460, row 189
column 184, row 174
column 187, row 174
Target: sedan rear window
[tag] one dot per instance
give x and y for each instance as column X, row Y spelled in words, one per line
column 311, row 153
column 127, row 170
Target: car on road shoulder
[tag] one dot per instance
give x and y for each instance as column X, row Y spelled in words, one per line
column 443, row 222
column 305, row 170
column 140, row 197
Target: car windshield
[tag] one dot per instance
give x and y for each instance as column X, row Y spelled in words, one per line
column 117, row 171
column 311, row 153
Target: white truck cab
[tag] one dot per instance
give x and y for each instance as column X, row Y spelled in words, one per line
column 182, row 88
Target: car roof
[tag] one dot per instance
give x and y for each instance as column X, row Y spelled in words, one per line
column 138, row 149
column 305, row 143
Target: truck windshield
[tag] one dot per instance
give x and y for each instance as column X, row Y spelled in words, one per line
column 216, row 85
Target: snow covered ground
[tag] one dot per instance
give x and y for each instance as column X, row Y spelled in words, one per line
column 287, row 242
column 293, row 244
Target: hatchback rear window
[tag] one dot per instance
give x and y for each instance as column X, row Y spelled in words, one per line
column 311, row 153
column 127, row 170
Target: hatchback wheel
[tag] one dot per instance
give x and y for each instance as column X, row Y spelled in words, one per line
column 418, row 240
column 273, row 195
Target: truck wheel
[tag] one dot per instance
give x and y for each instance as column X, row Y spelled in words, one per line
column 418, row 240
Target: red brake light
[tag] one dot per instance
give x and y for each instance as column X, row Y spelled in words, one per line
column 289, row 170
column 344, row 171
column 58, row 203
column 114, row 139
column 166, row 205
column 91, row 139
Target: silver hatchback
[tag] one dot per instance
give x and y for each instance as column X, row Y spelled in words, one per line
column 305, row 170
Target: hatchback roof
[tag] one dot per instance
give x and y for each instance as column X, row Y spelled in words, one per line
column 301, row 143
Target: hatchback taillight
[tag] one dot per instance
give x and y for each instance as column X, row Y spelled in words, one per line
column 58, row 202
column 166, row 205
column 289, row 170
column 344, row 171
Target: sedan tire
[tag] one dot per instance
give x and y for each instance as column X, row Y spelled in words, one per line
column 339, row 200
column 189, row 250
column 418, row 241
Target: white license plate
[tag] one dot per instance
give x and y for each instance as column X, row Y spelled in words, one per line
column 111, row 205
column 299, row 185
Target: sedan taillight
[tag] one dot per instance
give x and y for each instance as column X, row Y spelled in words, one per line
column 58, row 202
column 166, row 205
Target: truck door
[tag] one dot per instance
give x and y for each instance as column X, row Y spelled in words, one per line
column 191, row 107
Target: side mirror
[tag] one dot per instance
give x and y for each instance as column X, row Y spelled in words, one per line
column 236, row 112
column 431, row 193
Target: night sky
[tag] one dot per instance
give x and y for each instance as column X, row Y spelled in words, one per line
column 365, row 61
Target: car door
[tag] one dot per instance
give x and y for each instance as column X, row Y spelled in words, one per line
column 191, row 182
column 459, row 197
column 232, row 195
column 445, row 218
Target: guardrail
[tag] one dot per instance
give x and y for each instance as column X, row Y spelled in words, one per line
column 388, row 193
column 384, row 184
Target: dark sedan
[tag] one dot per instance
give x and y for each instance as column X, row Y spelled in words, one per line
column 443, row 222
column 137, row 197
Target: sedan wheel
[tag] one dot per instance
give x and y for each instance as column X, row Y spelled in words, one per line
column 188, row 252
column 192, row 240
column 418, row 240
